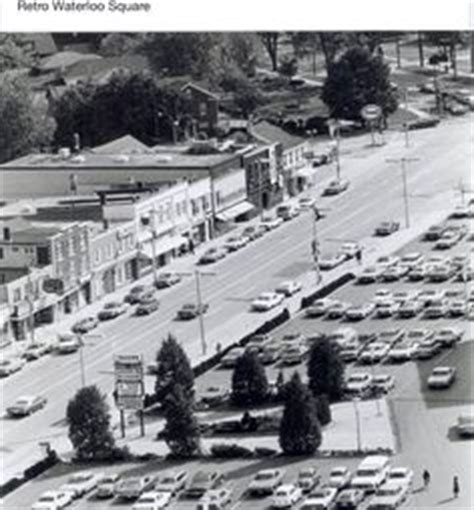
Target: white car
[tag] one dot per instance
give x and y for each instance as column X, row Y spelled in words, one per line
column 266, row 301
column 266, row 481
column 447, row 337
column 319, row 307
column 411, row 259
column 288, row 288
column 358, row 383
column 173, row 481
column 357, row 313
column 401, row 296
column 343, row 336
column 286, row 496
column 67, row 343
column 81, row 483
column 350, row 249
column 320, row 499
column 308, row 478
column 404, row 351
column 271, row 222
column 337, row 310
column 106, row 487
column 235, row 243
column 329, row 261
column 386, row 261
column 374, row 352
column 53, row 500
column 152, row 500
column 383, row 382
column 383, row 296
column 387, row 309
column 442, row 377
column 215, row 499
column 10, row 366
column 369, row 275
column 390, row 495
column 339, row 477
column 306, row 203
column 401, row 475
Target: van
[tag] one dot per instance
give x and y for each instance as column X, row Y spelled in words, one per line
column 371, row 473
column 465, row 425
column 287, row 211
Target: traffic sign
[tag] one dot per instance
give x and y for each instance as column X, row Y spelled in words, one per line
column 128, row 368
column 371, row 112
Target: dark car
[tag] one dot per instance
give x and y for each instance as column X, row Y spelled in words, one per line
column 85, row 325
column 111, row 310
column 349, row 499
column 147, row 306
column 434, row 233
column 252, row 233
column 165, row 280
column 191, row 311
column 386, row 228
column 135, row 294
column 202, row 482
column 336, row 187
column 212, row 255
column 35, row 350
column 23, row 406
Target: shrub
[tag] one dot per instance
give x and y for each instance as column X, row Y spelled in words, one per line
column 262, row 451
column 230, row 451
column 323, row 409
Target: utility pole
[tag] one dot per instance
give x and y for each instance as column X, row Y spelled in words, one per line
column 197, row 275
column 315, row 246
column 153, row 246
column 403, row 162
column 405, row 124
column 260, row 187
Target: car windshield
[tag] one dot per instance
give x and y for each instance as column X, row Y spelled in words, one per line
column 357, row 378
column 130, row 484
column 111, row 305
column 264, row 476
column 108, row 480
column 80, row 478
column 189, row 306
column 398, row 474
column 389, row 491
column 441, row 371
column 338, row 471
column 47, row 499
column 146, row 499
column 381, row 378
column 23, row 401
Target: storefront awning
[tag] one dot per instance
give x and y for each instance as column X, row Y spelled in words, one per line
column 162, row 246
column 306, row 172
column 234, row 211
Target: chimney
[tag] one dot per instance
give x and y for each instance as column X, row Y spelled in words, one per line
column 77, row 142
column 6, row 234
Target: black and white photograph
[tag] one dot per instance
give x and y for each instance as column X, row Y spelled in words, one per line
column 236, row 269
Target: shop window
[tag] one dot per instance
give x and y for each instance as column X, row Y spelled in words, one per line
column 1, row 253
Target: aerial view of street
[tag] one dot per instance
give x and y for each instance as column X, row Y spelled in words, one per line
column 236, row 270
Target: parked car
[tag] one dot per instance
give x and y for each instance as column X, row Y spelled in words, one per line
column 213, row 396
column 266, row 481
column 386, row 228
column 329, row 261
column 216, row 499
column 166, row 280
column 270, row 353
column 434, row 232
column 369, row 275
column 135, row 293
column 465, row 425
column 383, row 383
column 403, row 351
column 336, row 187
column 411, row 259
column 230, row 359
column 85, row 325
column 319, row 307
column 402, row 475
column 428, row 296
column 320, row 499
column 191, row 310
column 357, row 313
column 339, row 477
column 306, row 203
column 371, row 473
column 212, row 255
column 308, row 478
column 410, row 309
column 436, row 309
column 172, row 482
column 252, row 233
column 146, row 307
column 394, row 273
column 385, row 261
column 53, row 500
column 289, row 287
column 457, row 308
column 442, row 377
column 106, row 487
column 358, row 383
column 286, row 496
column 389, row 495
column 390, row 336
column 152, row 500
column 11, row 365
column 27, row 404
column 350, row 249
column 337, row 310
column 67, row 343
column 374, row 353
column 235, row 243
column 402, row 296
column 132, row 487
column 388, row 309
column 349, row 499
column 112, row 310
column 271, row 222
column 427, row 349
column 449, row 336
column 81, row 483
column 292, row 355
column 449, row 239
column 287, row 211
column 382, row 296
column 266, row 301
column 350, row 351
column 258, row 342
column 36, row 350
column 440, row 273
column 202, row 482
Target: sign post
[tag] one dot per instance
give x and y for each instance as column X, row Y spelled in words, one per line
column 371, row 113
column 129, row 387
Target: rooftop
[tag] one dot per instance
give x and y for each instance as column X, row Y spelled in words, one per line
column 65, row 59
column 269, row 133
column 126, row 144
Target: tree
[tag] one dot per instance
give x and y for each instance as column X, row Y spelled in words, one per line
column 181, row 431
column 117, row 44
column 323, row 409
column 419, row 41
column 331, row 44
column 325, row 370
column 288, row 67
column 270, row 43
column 246, row 94
column 300, row 431
column 173, row 369
column 358, row 78
column 249, row 381
column 24, row 126
column 13, row 53
column 240, row 49
column 89, row 425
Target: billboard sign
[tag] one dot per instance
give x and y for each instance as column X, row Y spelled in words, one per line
column 128, row 368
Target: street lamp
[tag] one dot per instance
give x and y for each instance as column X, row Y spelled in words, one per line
column 82, row 344
column 259, row 165
column 315, row 244
column 356, row 400
column 403, row 162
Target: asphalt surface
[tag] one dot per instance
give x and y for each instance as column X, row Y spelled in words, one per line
column 375, row 194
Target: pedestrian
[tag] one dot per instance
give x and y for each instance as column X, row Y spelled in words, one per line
column 191, row 246
column 359, row 256
column 426, row 478
column 455, row 487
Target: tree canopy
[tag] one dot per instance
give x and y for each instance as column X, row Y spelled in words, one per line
column 356, row 79
column 89, row 425
column 173, row 369
column 325, row 370
column 249, row 381
column 300, row 431
column 25, row 126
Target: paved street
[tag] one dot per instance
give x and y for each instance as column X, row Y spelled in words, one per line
column 375, row 194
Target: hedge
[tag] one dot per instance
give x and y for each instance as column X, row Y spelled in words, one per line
column 230, row 451
column 327, row 289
